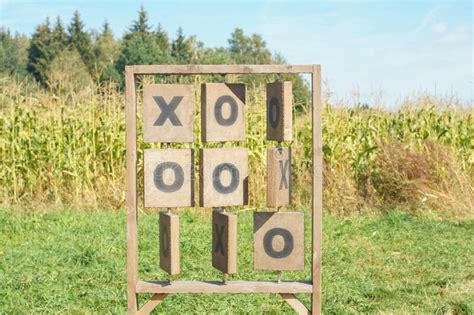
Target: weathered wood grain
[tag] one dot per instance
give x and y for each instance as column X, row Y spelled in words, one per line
column 223, row 112
column 220, row 287
column 317, row 198
column 223, row 177
column 168, row 178
column 278, row 177
column 169, row 243
column 168, row 112
column 278, row 240
column 224, row 241
column 280, row 111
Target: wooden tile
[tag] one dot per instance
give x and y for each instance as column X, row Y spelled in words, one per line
column 278, row 177
column 278, row 240
column 279, row 111
column 168, row 112
column 223, row 177
column 223, row 112
column 169, row 242
column 224, row 241
column 169, row 178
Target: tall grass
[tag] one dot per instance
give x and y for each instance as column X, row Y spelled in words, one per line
column 70, row 149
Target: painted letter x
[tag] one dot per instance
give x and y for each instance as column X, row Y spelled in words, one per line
column 284, row 167
column 167, row 110
column 219, row 248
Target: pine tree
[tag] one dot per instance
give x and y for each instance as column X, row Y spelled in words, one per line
column 140, row 46
column 39, row 54
column 13, row 53
column 59, row 33
column 80, row 39
column 162, row 39
column 180, row 50
column 141, row 25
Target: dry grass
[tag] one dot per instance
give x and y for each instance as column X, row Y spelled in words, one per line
column 69, row 150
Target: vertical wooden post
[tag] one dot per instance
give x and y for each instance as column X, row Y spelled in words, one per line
column 131, row 189
column 317, row 198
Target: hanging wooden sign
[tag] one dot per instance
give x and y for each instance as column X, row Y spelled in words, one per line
column 278, row 177
column 169, row 243
column 279, row 111
column 278, row 240
column 169, row 178
column 223, row 112
column 168, row 112
column 224, row 241
column 223, row 177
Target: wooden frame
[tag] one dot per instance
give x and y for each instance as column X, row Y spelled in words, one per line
column 286, row 289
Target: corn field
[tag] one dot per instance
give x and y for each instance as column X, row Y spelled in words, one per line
column 69, row 150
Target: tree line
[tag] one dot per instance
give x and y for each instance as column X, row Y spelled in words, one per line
column 55, row 50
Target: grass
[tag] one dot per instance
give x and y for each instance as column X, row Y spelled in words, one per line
column 72, row 261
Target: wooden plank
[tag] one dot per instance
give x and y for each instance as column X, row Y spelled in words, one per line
column 169, row 243
column 151, row 304
column 220, row 287
column 223, row 177
column 317, row 197
column 295, row 304
column 223, row 112
column 168, row 178
column 278, row 177
column 131, row 189
column 220, row 69
column 224, row 241
column 280, row 111
column 278, row 240
column 168, row 112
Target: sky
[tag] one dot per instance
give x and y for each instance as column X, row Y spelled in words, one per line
column 368, row 50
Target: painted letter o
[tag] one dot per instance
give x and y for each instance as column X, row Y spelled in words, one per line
column 268, row 246
column 178, row 177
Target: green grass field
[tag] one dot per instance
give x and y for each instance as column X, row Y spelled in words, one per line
column 74, row 262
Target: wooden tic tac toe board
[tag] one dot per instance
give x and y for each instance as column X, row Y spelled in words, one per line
column 169, row 181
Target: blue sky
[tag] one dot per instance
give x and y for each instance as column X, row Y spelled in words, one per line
column 388, row 49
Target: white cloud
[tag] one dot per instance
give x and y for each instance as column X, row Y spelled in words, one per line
column 440, row 28
column 460, row 35
column 428, row 18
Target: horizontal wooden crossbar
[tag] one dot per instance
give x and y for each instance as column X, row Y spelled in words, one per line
column 219, row 69
column 220, row 287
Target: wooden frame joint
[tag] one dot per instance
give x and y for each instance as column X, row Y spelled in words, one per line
column 149, row 306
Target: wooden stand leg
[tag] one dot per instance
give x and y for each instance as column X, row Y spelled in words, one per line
column 131, row 190
column 151, row 304
column 295, row 303
column 317, row 199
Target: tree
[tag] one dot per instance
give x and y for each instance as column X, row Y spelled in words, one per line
column 248, row 50
column 13, row 53
column 140, row 46
column 141, row 25
column 80, row 40
column 238, row 44
column 163, row 40
column 59, row 35
column 105, row 53
column 39, row 54
column 180, row 48
column 67, row 73
column 253, row 50
column 259, row 51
